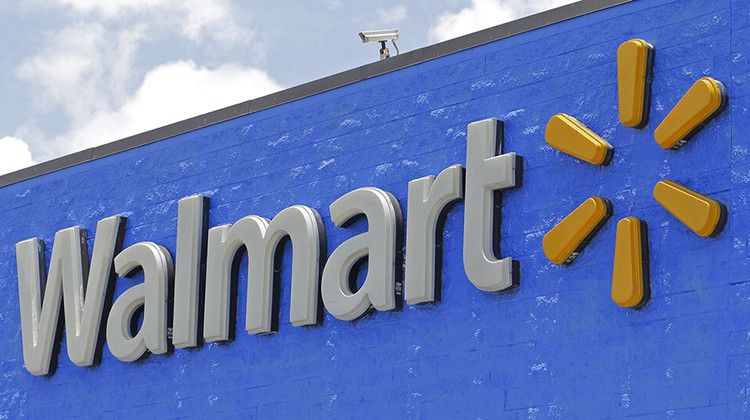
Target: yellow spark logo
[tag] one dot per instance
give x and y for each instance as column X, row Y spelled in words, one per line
column 701, row 214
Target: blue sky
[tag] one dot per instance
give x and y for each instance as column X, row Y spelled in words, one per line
column 80, row 73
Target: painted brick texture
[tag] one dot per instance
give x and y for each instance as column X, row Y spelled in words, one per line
column 556, row 347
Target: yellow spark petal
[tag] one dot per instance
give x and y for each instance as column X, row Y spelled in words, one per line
column 564, row 241
column 568, row 135
column 628, row 285
column 634, row 59
column 698, row 212
column 701, row 102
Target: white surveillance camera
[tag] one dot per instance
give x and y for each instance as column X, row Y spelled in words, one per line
column 379, row 36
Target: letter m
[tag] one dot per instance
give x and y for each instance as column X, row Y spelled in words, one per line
column 70, row 278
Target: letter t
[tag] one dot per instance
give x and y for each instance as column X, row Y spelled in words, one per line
column 486, row 173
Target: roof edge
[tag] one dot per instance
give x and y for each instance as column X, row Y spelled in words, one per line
column 325, row 84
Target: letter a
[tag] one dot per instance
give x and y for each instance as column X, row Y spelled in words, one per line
column 152, row 294
column 378, row 244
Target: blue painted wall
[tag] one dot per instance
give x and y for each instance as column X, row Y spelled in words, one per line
column 557, row 346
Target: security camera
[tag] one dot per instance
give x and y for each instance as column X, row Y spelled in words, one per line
column 381, row 36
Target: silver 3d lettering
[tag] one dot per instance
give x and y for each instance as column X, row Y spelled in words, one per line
column 69, row 271
column 152, row 295
column 378, row 244
column 485, row 174
column 83, row 288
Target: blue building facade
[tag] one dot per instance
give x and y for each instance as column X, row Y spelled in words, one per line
column 556, row 346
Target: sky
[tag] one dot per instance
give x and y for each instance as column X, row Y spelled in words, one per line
column 75, row 74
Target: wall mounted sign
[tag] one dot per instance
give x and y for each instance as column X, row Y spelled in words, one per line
column 81, row 283
column 703, row 215
column 486, row 174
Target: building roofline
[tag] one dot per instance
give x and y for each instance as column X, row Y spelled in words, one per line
column 325, row 84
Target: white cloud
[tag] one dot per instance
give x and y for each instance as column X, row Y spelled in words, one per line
column 391, row 16
column 169, row 93
column 86, row 75
column 14, row 154
column 486, row 13
column 82, row 68
column 194, row 19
